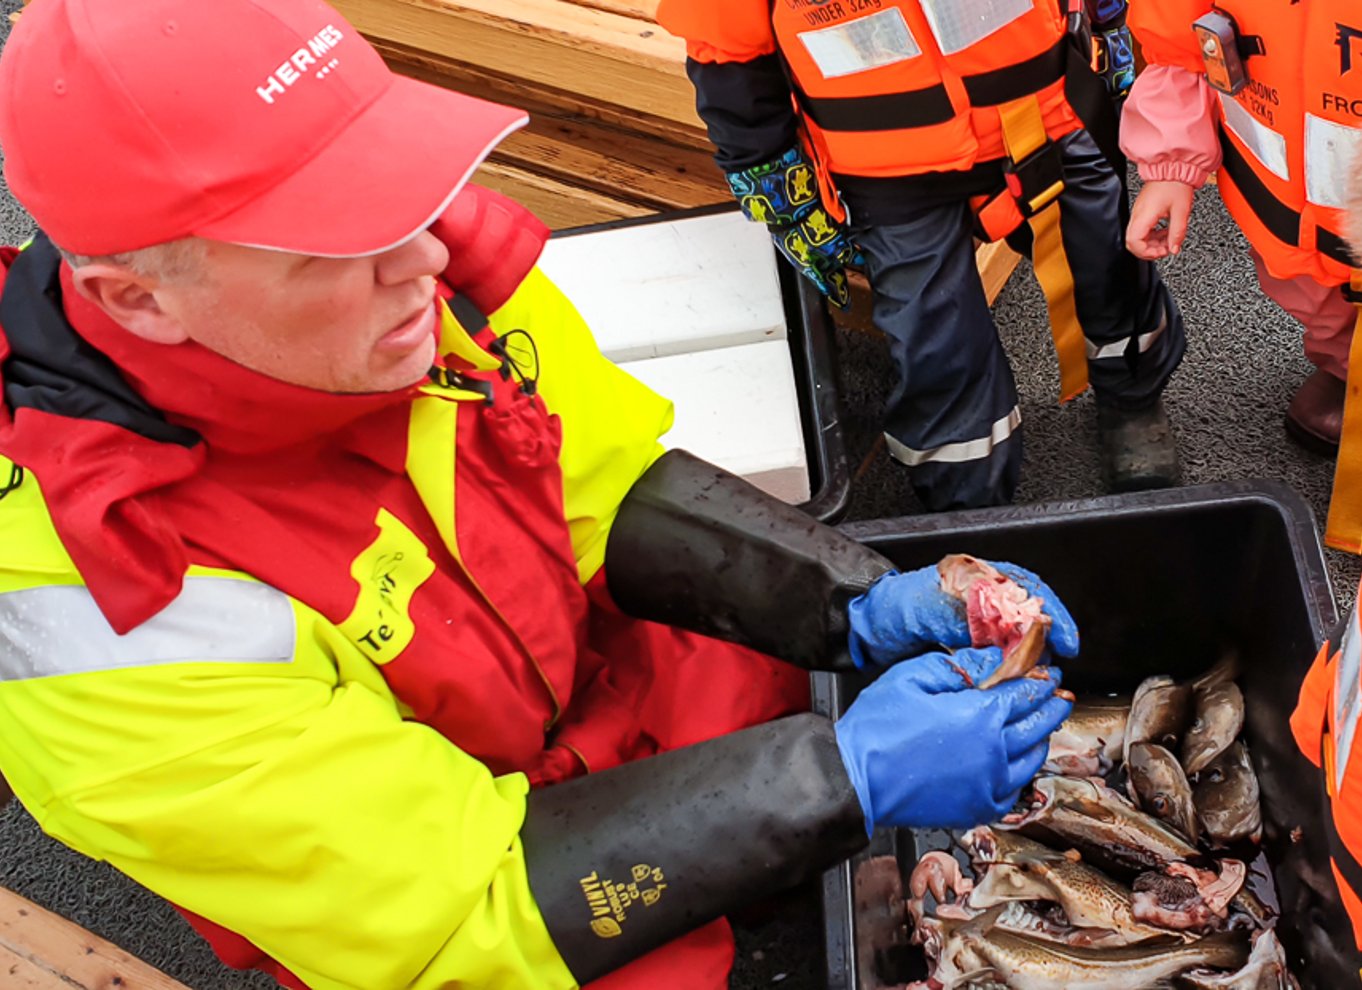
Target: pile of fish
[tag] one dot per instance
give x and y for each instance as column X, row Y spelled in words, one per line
column 1124, row 866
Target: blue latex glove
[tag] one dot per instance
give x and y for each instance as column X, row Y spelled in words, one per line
column 925, row 750
column 904, row 615
column 783, row 195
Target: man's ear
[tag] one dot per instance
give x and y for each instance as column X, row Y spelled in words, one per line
column 130, row 300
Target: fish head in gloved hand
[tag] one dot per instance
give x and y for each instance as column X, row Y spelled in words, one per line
column 999, row 611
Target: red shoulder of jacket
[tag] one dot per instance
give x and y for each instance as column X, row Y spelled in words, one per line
column 493, row 243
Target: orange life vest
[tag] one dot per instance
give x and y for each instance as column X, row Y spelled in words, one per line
column 1290, row 135
column 895, row 87
column 1290, row 139
column 1325, row 724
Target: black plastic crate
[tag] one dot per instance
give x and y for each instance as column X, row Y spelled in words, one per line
column 809, row 331
column 1159, row 583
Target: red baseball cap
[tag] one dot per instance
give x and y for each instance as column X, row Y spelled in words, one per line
column 269, row 123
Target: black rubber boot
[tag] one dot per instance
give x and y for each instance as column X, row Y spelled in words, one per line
column 1139, row 451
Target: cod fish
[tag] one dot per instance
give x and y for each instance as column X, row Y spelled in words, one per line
column 974, row 952
column 1101, row 824
column 1017, row 869
column 1159, row 713
column 1227, row 798
column 1219, row 718
column 1265, row 970
column 1090, row 741
column 1159, row 786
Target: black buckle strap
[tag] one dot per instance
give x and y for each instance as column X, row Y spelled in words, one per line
column 1037, row 180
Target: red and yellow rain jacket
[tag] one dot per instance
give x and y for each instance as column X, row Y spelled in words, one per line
column 292, row 660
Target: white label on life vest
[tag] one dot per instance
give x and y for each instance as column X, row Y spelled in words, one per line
column 1267, row 145
column 1330, row 151
column 1347, row 698
column 958, row 24
column 861, row 45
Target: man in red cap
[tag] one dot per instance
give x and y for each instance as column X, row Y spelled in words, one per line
column 330, row 538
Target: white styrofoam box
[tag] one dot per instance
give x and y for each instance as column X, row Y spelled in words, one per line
column 670, row 287
column 736, row 407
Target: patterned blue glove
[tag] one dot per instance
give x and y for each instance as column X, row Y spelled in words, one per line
column 783, row 195
column 1114, row 49
column 903, row 615
column 924, row 749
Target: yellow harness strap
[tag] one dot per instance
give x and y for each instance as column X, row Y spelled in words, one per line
column 1024, row 134
column 1344, row 529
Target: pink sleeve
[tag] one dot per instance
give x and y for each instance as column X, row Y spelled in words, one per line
column 1169, row 127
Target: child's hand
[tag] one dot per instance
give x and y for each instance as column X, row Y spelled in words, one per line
column 1159, row 201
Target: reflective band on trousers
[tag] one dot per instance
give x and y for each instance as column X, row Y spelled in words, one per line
column 60, row 630
column 1118, row 348
column 957, row 453
column 1263, row 142
column 1330, row 151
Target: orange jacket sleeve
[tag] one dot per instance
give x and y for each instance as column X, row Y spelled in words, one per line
column 1163, row 29
column 720, row 30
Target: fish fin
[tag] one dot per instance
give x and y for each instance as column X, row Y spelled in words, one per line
column 983, row 924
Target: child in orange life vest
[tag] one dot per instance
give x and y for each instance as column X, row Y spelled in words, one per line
column 1281, row 142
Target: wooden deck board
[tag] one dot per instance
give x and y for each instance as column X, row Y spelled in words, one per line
column 40, row 950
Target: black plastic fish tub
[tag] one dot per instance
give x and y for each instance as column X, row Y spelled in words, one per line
column 1160, row 583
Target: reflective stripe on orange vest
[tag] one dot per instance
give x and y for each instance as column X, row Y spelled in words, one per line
column 1324, row 725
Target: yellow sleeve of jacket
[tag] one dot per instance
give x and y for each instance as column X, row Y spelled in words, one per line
column 611, row 421
column 1163, row 29
column 246, row 762
column 720, row 30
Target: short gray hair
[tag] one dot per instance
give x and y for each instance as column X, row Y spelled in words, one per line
column 168, row 262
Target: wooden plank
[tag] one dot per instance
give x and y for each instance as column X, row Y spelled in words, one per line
column 644, row 10
column 558, row 205
column 604, row 56
column 996, row 262
column 36, row 944
column 540, row 99
column 616, row 164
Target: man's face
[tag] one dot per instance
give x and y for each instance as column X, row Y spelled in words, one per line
column 333, row 324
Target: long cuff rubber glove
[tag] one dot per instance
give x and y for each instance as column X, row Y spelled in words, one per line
column 783, row 195
column 926, row 749
column 906, row 614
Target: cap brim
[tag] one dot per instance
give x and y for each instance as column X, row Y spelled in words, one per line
column 386, row 177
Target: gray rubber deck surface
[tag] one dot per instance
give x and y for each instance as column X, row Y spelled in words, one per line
column 1243, row 362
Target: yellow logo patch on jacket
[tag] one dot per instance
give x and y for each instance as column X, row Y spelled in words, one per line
column 388, row 573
